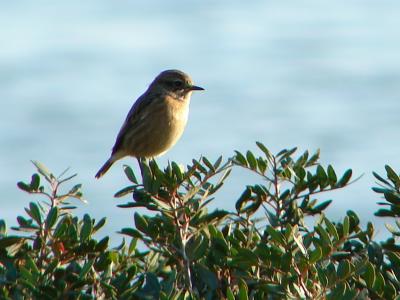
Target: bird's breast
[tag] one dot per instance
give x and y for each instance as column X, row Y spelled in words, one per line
column 177, row 111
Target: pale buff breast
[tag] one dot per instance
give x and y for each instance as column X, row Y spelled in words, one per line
column 177, row 116
column 168, row 121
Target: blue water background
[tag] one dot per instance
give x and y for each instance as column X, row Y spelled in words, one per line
column 311, row 74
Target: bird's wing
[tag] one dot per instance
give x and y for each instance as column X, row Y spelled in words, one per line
column 135, row 115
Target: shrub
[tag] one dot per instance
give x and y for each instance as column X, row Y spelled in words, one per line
column 178, row 249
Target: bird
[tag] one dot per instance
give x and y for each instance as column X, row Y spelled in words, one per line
column 156, row 120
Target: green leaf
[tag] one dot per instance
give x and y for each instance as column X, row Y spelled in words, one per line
column 369, row 275
column 28, row 276
column 391, row 174
column 370, row 230
column 381, row 179
column 338, row 291
column 331, row 229
column 199, row 167
column 229, row 294
column 177, row 171
column 167, row 285
column 312, row 182
column 99, row 224
column 390, row 290
column 300, row 162
column 286, row 261
column 285, row 153
column 86, row 229
column 346, row 226
column 131, row 232
column 322, row 177
column 262, row 165
column 3, row 228
column 276, row 236
column 60, row 230
column 215, row 217
column 315, row 255
column 392, row 197
column 380, row 190
column 245, row 258
column 124, row 191
column 208, row 277
column 330, row 272
column 217, row 162
column 243, row 290
column 102, row 245
column 354, row 220
column 132, row 245
column 34, row 213
column 35, row 182
column 141, row 223
column 332, row 178
column 379, row 283
column 240, row 159
column 324, row 235
column 75, row 189
column 31, row 265
column 299, row 241
column 86, row 268
column 220, row 245
column 392, row 229
column 25, row 187
column 243, row 199
column 322, row 277
column 51, row 267
column 147, row 176
column 152, row 288
column 161, row 205
column 265, row 150
column 52, row 217
column 321, row 207
column 251, row 160
column 313, row 159
column 345, row 178
column 197, row 247
column 42, row 169
column 130, row 174
column 340, row 255
column 208, row 164
column 275, row 289
column 384, row 213
column 344, row 269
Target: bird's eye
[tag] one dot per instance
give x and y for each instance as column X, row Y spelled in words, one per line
column 178, row 84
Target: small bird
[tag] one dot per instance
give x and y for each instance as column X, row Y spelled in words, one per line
column 156, row 120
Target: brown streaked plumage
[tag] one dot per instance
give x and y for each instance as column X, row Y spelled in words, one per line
column 156, row 120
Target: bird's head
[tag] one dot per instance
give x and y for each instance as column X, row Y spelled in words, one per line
column 175, row 82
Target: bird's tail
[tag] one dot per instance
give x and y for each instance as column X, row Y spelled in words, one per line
column 105, row 167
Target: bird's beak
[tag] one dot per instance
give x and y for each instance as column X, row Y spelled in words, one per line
column 195, row 88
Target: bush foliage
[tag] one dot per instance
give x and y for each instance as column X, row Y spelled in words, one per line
column 178, row 249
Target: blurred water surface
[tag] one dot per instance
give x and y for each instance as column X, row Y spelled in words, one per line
column 311, row 74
